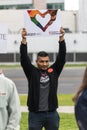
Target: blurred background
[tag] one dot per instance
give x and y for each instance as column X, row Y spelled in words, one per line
column 74, row 22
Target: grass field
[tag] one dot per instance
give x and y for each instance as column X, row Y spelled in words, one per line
column 67, row 122
column 64, row 99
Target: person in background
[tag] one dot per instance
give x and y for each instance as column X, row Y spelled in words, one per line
column 43, row 83
column 10, row 114
column 80, row 100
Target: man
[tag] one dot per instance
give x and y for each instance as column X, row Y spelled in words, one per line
column 9, row 104
column 43, row 82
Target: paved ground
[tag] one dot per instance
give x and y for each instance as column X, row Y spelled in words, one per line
column 69, row 80
column 61, row 109
column 68, row 83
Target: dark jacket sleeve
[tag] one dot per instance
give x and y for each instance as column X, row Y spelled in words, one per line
column 61, row 58
column 25, row 60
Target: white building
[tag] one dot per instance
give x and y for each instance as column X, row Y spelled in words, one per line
column 71, row 20
column 21, row 4
column 82, row 16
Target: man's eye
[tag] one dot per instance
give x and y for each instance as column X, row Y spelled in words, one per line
column 44, row 61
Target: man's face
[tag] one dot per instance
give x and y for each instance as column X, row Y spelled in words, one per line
column 42, row 62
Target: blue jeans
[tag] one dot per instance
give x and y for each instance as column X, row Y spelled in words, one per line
column 48, row 120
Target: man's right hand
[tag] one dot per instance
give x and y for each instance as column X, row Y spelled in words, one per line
column 62, row 33
column 23, row 34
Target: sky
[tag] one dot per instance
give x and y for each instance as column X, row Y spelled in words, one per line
column 71, row 4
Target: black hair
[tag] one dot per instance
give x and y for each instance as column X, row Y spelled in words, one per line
column 42, row 54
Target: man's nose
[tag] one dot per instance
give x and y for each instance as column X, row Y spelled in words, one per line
column 45, row 63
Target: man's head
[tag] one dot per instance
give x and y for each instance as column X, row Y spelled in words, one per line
column 42, row 60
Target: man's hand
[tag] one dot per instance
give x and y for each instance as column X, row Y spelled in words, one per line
column 23, row 34
column 62, row 33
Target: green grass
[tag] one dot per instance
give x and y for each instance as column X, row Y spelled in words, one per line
column 76, row 65
column 24, row 121
column 64, row 99
column 23, row 99
column 67, row 122
column 9, row 66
